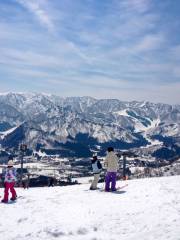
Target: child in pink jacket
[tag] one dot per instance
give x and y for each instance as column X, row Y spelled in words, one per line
column 9, row 182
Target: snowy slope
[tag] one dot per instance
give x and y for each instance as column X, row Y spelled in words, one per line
column 5, row 133
column 146, row 209
column 140, row 127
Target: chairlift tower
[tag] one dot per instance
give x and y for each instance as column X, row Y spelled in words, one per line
column 23, row 149
column 124, row 164
column 125, row 155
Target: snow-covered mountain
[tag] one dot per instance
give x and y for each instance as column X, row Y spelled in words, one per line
column 146, row 209
column 78, row 125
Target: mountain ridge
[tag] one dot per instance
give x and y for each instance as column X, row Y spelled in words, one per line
column 49, row 121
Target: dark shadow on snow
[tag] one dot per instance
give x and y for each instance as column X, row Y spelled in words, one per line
column 118, row 192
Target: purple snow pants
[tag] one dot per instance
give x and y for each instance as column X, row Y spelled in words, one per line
column 110, row 178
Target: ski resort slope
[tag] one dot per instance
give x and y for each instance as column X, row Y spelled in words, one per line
column 146, row 209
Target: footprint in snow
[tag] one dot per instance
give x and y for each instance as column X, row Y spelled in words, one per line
column 22, row 220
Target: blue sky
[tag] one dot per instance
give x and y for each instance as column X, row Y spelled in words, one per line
column 125, row 49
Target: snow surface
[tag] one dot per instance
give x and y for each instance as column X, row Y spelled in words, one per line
column 139, row 127
column 123, row 113
column 146, row 209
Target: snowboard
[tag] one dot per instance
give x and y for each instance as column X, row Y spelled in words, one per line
column 123, row 186
column 11, row 201
column 118, row 189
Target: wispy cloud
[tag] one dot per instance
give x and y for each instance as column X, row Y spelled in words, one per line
column 136, row 5
column 85, row 46
column 150, row 42
column 36, row 8
column 175, row 52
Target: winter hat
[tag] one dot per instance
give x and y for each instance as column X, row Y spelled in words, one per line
column 110, row 149
column 10, row 163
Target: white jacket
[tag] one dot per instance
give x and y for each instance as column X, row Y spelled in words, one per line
column 95, row 167
column 10, row 175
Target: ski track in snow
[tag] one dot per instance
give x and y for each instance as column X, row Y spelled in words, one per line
column 146, row 209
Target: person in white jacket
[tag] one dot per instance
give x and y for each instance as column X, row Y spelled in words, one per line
column 97, row 168
column 111, row 164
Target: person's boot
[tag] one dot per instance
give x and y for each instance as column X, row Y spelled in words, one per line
column 4, row 201
column 13, row 199
column 107, row 190
column 114, row 190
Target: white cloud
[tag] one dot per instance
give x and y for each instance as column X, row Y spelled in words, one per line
column 176, row 71
column 117, row 50
column 150, row 42
column 79, row 52
column 36, row 7
column 136, row 5
column 175, row 52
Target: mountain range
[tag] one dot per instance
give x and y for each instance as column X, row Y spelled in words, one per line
column 79, row 126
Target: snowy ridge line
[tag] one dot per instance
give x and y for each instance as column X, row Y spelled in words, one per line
column 54, row 122
column 129, row 103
